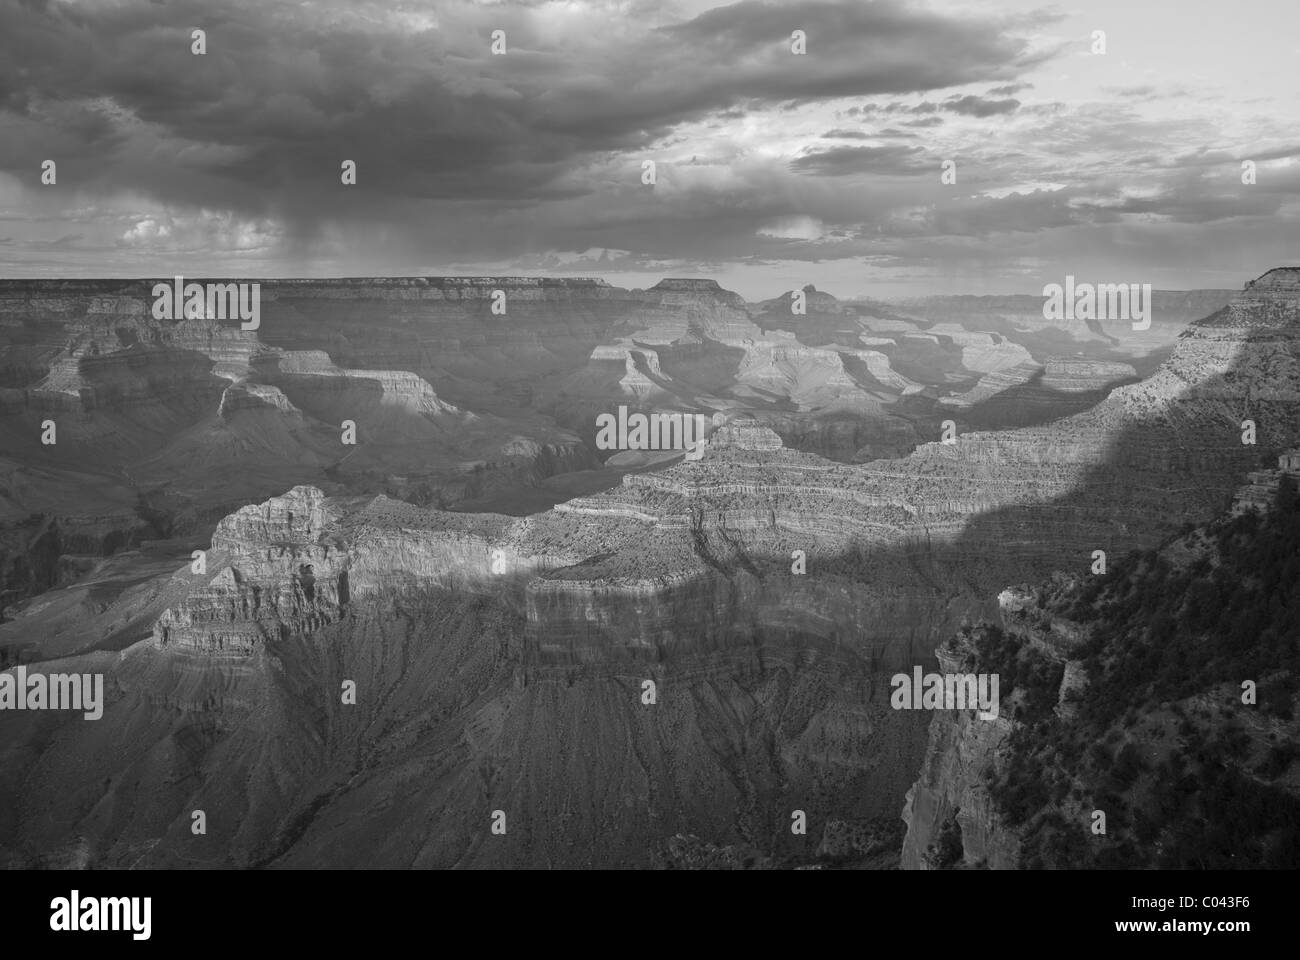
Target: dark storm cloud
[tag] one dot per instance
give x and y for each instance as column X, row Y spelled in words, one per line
column 853, row 49
column 284, row 93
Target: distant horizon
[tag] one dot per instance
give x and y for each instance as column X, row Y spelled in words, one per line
column 843, row 298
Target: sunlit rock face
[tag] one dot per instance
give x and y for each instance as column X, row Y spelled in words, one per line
column 1073, row 375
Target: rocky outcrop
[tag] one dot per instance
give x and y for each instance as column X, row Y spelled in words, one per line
column 981, row 353
column 294, row 563
column 953, row 787
column 1079, row 375
column 255, row 396
column 1031, row 392
column 1261, row 486
column 993, row 384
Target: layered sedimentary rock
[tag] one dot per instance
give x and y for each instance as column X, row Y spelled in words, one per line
column 1030, row 392
column 1080, row 375
column 992, row 384
column 981, row 352
column 192, row 417
column 642, row 378
column 694, row 342
column 1170, row 310
column 1016, row 501
column 1019, row 500
column 878, row 366
column 145, row 397
column 254, row 396
column 294, row 563
column 679, row 308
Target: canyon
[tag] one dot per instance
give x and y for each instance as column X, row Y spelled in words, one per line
column 499, row 657
column 164, row 427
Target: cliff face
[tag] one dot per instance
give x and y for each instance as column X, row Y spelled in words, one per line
column 1030, row 392
column 1072, row 375
column 951, row 791
column 588, row 591
column 475, row 691
column 1261, row 486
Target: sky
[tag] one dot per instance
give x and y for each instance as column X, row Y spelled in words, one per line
column 772, row 169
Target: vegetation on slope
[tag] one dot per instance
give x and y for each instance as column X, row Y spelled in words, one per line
column 1162, row 738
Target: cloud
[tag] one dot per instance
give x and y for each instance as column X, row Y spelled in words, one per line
column 794, row 228
column 973, row 106
column 839, row 161
column 283, row 95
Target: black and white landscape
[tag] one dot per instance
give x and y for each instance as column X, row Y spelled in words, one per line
column 810, row 434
